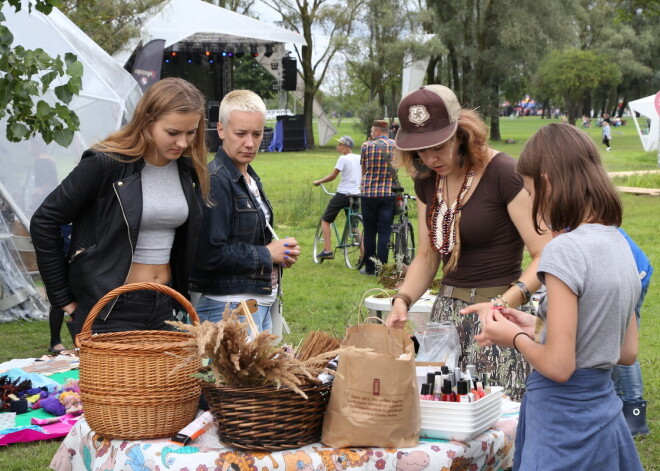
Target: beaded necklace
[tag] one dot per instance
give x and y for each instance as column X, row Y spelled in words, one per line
column 443, row 219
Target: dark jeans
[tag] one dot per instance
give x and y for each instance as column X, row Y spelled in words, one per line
column 378, row 216
column 137, row 310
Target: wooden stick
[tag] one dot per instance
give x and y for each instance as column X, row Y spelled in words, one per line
column 250, row 320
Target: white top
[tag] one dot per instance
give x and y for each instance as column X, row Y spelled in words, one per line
column 351, row 174
column 164, row 208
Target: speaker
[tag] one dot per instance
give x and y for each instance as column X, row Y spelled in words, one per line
column 293, row 130
column 212, row 110
column 289, row 73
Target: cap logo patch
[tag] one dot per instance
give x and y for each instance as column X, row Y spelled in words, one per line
column 418, row 115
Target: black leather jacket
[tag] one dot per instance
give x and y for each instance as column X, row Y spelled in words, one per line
column 102, row 196
column 231, row 255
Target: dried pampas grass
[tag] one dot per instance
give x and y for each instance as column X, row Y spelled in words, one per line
column 235, row 360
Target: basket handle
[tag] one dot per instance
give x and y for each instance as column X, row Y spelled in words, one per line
column 100, row 304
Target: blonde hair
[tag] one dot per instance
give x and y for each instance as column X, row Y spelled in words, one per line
column 240, row 100
column 169, row 95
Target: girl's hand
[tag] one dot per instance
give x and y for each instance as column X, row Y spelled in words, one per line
column 524, row 320
column 496, row 329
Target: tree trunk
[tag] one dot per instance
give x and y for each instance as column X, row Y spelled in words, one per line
column 495, row 113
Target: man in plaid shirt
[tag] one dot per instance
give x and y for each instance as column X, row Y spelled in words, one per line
column 377, row 197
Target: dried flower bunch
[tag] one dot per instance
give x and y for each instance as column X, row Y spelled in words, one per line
column 237, row 360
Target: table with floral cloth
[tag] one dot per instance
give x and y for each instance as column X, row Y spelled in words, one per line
column 82, row 449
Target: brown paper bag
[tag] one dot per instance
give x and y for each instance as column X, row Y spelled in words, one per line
column 375, row 398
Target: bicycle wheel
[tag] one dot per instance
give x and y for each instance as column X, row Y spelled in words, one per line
column 318, row 243
column 396, row 242
column 352, row 243
column 409, row 248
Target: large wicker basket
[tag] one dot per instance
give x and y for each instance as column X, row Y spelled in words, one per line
column 131, row 383
column 265, row 418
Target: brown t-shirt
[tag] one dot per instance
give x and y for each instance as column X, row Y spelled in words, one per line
column 491, row 247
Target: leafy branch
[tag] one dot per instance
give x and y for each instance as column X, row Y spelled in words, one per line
column 26, row 77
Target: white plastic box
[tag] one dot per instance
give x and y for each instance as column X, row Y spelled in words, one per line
column 460, row 421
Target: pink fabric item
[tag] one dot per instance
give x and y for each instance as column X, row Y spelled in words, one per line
column 56, row 430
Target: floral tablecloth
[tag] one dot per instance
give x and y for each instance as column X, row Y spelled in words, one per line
column 82, row 449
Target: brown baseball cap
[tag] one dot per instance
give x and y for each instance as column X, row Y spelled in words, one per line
column 380, row 123
column 428, row 117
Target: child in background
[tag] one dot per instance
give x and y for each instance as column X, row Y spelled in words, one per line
column 607, row 135
column 570, row 416
column 628, row 381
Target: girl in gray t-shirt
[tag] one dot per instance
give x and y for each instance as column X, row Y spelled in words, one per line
column 570, row 416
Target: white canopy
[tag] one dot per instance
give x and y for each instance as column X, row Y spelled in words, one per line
column 109, row 95
column 649, row 133
column 179, row 19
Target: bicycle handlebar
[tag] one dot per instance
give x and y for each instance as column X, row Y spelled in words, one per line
column 326, row 190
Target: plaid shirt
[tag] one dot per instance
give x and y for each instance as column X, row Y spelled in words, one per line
column 376, row 178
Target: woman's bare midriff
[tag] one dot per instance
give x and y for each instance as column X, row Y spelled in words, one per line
column 141, row 273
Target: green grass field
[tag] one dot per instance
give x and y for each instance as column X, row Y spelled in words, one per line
column 327, row 296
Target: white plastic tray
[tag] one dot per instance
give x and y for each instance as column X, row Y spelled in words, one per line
column 454, row 431
column 466, row 409
column 452, row 418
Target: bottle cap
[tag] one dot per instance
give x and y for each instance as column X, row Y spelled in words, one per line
column 462, row 387
column 425, row 389
column 446, row 387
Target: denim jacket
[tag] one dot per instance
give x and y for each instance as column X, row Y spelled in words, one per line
column 231, row 255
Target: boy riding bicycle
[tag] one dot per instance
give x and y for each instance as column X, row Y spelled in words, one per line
column 349, row 166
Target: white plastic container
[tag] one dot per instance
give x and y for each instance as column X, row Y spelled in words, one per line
column 459, row 420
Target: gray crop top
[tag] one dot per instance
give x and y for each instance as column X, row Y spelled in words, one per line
column 164, row 208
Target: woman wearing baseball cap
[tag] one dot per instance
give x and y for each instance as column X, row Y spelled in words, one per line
column 474, row 219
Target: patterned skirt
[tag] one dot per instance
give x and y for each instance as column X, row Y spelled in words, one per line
column 505, row 366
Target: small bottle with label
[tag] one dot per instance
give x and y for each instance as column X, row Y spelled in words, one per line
column 425, row 393
column 447, row 394
column 464, row 394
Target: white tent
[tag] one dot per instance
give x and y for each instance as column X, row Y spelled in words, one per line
column 108, row 97
column 180, row 19
column 649, row 133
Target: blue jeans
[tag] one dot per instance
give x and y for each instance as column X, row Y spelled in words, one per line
column 378, row 216
column 628, row 382
column 211, row 310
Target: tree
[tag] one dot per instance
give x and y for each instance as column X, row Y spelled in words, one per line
column 493, row 47
column 249, row 74
column 26, row 76
column 110, row 23
column 309, row 18
column 570, row 74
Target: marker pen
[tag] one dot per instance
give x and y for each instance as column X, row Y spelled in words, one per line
column 194, row 429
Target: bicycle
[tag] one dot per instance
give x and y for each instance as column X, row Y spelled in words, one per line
column 350, row 241
column 402, row 240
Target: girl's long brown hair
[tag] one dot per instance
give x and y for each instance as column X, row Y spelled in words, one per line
column 571, row 186
column 169, row 95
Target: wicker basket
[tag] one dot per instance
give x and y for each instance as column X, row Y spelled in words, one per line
column 127, row 384
column 265, row 418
